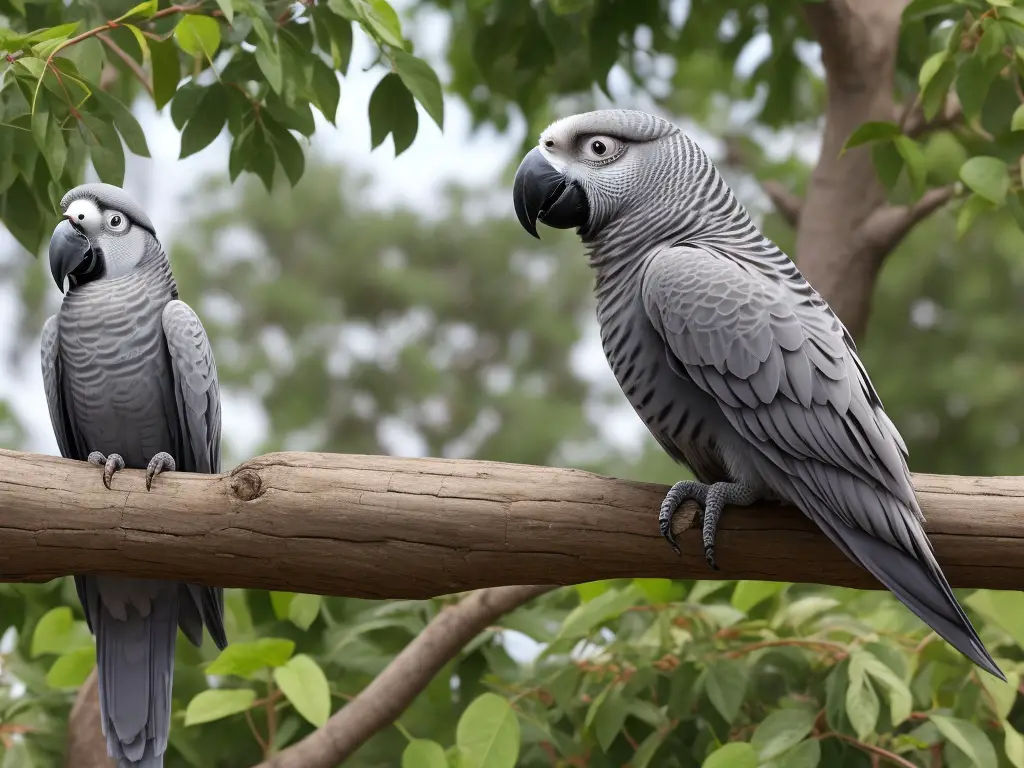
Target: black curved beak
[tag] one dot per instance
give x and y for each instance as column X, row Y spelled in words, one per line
column 69, row 247
column 541, row 193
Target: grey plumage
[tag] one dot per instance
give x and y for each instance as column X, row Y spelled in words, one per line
column 129, row 374
column 737, row 366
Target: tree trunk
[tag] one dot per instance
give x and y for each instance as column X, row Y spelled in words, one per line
column 858, row 48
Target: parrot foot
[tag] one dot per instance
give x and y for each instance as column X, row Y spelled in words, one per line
column 162, row 462
column 713, row 499
column 111, row 464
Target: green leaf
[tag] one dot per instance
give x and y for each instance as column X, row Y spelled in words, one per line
column 873, row 131
column 198, row 35
column 487, row 735
column 304, row 608
column 1013, row 745
column 227, row 9
column 782, row 730
column 423, row 753
column 378, row 16
column 206, row 124
column 246, row 659
column 166, row 72
column 59, row 32
column 660, row 591
column 988, row 177
column 900, row 700
column 144, row 10
column 1003, row 695
column 140, row 40
column 261, row 157
column 184, row 104
column 862, row 705
column 48, row 137
column 647, row 749
column 71, row 669
column 726, row 686
column 268, row 57
column 806, row 754
column 611, row 716
column 422, row 83
column 304, row 683
column 933, row 96
column 57, row 632
column 973, row 207
column 125, row 122
column 216, row 704
column 917, row 165
column 105, row 148
column 968, row 738
column 392, row 110
column 281, row 603
column 973, row 80
column 930, row 69
column 1002, row 608
column 734, row 755
column 750, row 593
column 585, row 618
column 336, row 37
column 326, row 89
column 1017, row 122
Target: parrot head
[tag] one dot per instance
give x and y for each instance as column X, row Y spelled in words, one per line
column 103, row 233
column 593, row 169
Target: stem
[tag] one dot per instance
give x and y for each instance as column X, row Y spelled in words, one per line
column 128, row 61
column 256, row 733
column 825, row 644
column 885, row 754
column 272, row 696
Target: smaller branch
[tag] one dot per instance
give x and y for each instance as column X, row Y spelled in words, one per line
column 264, row 747
column 916, row 125
column 885, row 754
column 787, row 203
column 394, row 689
column 887, row 226
column 129, row 62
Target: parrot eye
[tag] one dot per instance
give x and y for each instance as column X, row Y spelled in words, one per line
column 600, row 148
column 117, row 221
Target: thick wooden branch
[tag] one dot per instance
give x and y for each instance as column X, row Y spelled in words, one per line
column 379, row 527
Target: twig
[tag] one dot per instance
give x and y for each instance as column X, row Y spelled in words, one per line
column 915, row 124
column 256, row 734
column 129, row 62
column 793, row 642
column 384, row 699
column 271, row 718
column 887, row 226
column 885, row 754
column 786, row 202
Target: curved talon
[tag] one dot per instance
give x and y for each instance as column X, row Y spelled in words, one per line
column 114, row 463
column 709, row 555
column 97, row 459
column 162, row 462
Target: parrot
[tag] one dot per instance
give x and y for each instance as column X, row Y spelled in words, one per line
column 735, row 364
column 130, row 381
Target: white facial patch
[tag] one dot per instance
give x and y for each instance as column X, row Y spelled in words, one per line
column 86, row 215
column 558, row 162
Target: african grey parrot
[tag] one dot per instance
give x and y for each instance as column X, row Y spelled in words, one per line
column 736, row 365
column 130, row 382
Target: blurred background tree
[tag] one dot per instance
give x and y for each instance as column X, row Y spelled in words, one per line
column 355, row 328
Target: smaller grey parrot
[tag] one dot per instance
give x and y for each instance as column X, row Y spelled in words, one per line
column 131, row 381
column 733, row 361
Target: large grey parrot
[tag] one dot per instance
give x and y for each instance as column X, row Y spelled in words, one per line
column 737, row 366
column 130, row 382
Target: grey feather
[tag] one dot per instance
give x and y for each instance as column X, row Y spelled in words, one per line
column 127, row 369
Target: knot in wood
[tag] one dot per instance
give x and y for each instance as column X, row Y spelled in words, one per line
column 247, row 485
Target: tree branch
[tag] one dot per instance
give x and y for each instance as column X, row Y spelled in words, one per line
column 87, row 746
column 128, row 61
column 887, row 226
column 394, row 689
column 915, row 124
column 378, row 527
column 786, row 202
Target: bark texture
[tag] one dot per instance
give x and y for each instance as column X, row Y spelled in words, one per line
column 381, row 527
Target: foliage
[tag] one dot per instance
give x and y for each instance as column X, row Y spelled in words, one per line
column 256, row 68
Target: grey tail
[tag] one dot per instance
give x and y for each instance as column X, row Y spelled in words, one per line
column 135, row 660
column 921, row 586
